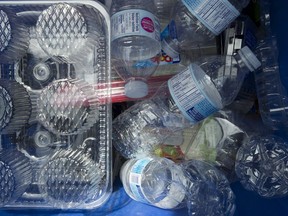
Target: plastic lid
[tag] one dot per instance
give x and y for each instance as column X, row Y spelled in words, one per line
column 249, row 58
column 136, row 89
column 168, row 49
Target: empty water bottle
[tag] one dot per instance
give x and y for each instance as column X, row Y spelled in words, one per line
column 135, row 30
column 261, row 165
column 135, row 43
column 163, row 10
column 187, row 98
column 15, row 106
column 154, row 181
column 208, row 191
column 196, row 22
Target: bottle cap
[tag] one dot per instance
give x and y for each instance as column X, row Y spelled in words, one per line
column 136, row 89
column 249, row 58
column 168, row 49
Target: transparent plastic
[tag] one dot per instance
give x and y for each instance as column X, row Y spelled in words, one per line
column 190, row 31
column 186, row 99
column 160, row 181
column 132, row 46
column 261, row 165
column 55, row 108
column 208, row 190
column 135, row 44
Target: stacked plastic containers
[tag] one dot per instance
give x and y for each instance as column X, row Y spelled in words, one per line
column 55, row 111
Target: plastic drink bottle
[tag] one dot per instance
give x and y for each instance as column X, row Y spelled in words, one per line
column 154, row 181
column 135, row 43
column 261, row 165
column 196, row 22
column 208, row 191
column 187, row 98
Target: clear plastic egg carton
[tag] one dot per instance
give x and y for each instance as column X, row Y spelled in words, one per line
column 55, row 110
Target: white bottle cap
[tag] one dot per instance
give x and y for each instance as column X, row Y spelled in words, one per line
column 168, row 49
column 249, row 58
column 136, row 89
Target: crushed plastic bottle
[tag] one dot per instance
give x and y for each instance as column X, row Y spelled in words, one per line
column 208, row 190
column 186, row 99
column 261, row 165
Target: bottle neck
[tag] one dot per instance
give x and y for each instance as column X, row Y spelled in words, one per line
column 247, row 61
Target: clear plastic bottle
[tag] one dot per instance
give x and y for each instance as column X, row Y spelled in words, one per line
column 208, row 190
column 187, row 98
column 136, row 44
column 164, row 9
column 196, row 22
column 135, row 30
column 261, row 165
column 270, row 86
column 155, row 181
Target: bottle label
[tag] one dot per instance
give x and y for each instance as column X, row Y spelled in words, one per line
column 216, row 15
column 191, row 100
column 135, row 179
column 170, row 32
column 135, row 22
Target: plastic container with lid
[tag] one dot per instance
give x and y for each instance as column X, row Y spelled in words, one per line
column 55, row 109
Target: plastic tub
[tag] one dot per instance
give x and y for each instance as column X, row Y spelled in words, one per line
column 55, row 110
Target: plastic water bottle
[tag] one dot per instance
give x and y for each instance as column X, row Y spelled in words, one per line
column 164, row 10
column 135, row 30
column 135, row 45
column 271, row 90
column 15, row 106
column 154, row 181
column 208, row 190
column 196, row 22
column 187, row 98
column 261, row 165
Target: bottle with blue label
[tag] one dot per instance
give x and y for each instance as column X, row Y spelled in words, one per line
column 154, row 181
column 135, row 43
column 187, row 98
column 195, row 23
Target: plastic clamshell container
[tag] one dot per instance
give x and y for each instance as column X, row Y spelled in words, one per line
column 55, row 108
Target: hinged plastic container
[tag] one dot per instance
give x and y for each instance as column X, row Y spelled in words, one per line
column 55, row 110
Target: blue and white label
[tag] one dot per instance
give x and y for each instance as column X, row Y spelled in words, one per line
column 135, row 179
column 216, row 15
column 135, row 22
column 189, row 97
column 169, row 55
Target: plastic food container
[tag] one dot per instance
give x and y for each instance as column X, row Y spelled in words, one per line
column 55, row 109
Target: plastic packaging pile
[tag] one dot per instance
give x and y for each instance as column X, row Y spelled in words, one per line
column 188, row 92
column 214, row 119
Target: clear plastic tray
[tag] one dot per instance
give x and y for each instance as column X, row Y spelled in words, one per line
column 55, row 109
